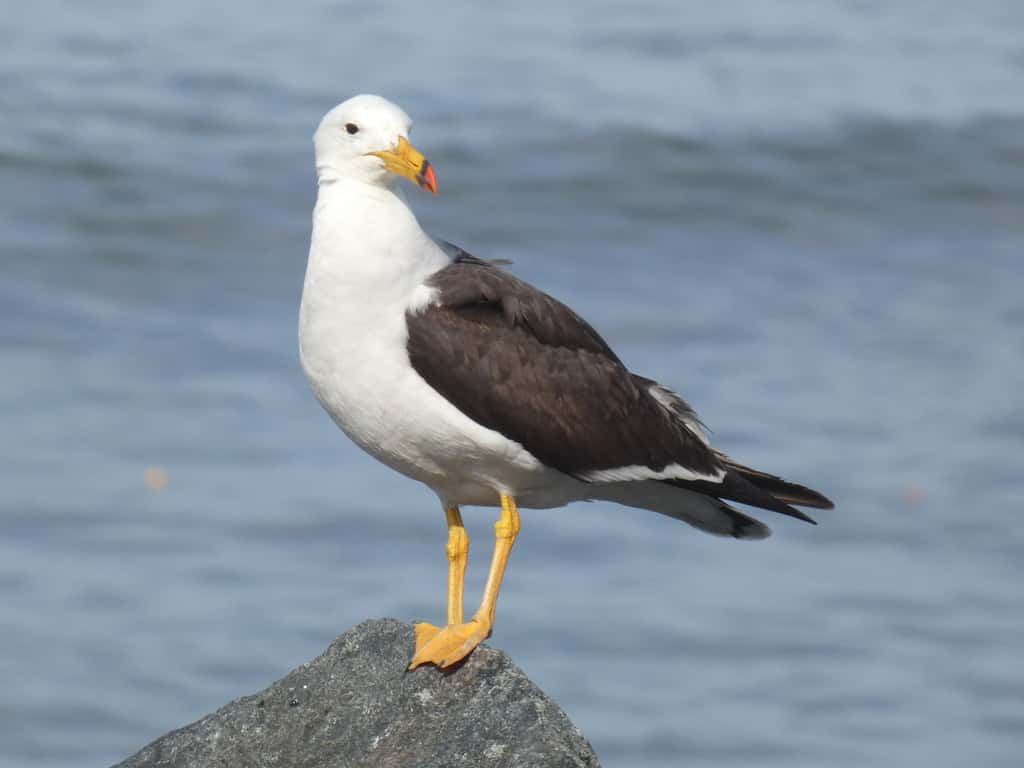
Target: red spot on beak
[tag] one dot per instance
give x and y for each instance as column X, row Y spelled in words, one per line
column 426, row 178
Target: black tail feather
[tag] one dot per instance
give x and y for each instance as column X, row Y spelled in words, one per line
column 734, row 487
column 759, row 489
column 783, row 490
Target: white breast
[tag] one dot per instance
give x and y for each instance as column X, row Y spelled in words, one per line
column 362, row 277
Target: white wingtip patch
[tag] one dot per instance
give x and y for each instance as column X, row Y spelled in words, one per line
column 679, row 408
column 635, row 472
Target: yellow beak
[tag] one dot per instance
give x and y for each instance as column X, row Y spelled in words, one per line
column 407, row 161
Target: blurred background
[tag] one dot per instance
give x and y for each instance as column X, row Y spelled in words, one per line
column 808, row 217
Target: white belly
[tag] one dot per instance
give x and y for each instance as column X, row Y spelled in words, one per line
column 363, row 378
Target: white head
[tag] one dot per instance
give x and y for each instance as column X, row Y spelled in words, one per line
column 366, row 138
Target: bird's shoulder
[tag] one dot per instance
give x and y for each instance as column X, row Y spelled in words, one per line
column 482, row 291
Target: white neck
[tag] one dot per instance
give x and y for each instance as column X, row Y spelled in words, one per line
column 367, row 242
column 368, row 259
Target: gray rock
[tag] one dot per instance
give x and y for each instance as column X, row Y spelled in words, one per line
column 356, row 705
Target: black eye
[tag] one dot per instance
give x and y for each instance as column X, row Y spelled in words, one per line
column 352, row 128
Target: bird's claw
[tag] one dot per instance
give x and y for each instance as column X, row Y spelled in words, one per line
column 445, row 646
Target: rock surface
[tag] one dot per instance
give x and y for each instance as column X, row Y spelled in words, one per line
column 356, row 705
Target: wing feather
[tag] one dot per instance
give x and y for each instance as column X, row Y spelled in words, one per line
column 518, row 361
column 522, row 363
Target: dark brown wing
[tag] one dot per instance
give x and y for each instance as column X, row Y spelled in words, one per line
column 519, row 362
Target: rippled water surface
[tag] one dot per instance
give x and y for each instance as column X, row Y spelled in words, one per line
column 809, row 218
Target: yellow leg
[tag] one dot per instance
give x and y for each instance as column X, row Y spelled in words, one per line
column 505, row 532
column 458, row 555
column 454, row 642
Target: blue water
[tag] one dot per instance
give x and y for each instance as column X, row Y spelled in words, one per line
column 809, row 218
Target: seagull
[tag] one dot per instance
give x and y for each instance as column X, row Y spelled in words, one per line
column 454, row 372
